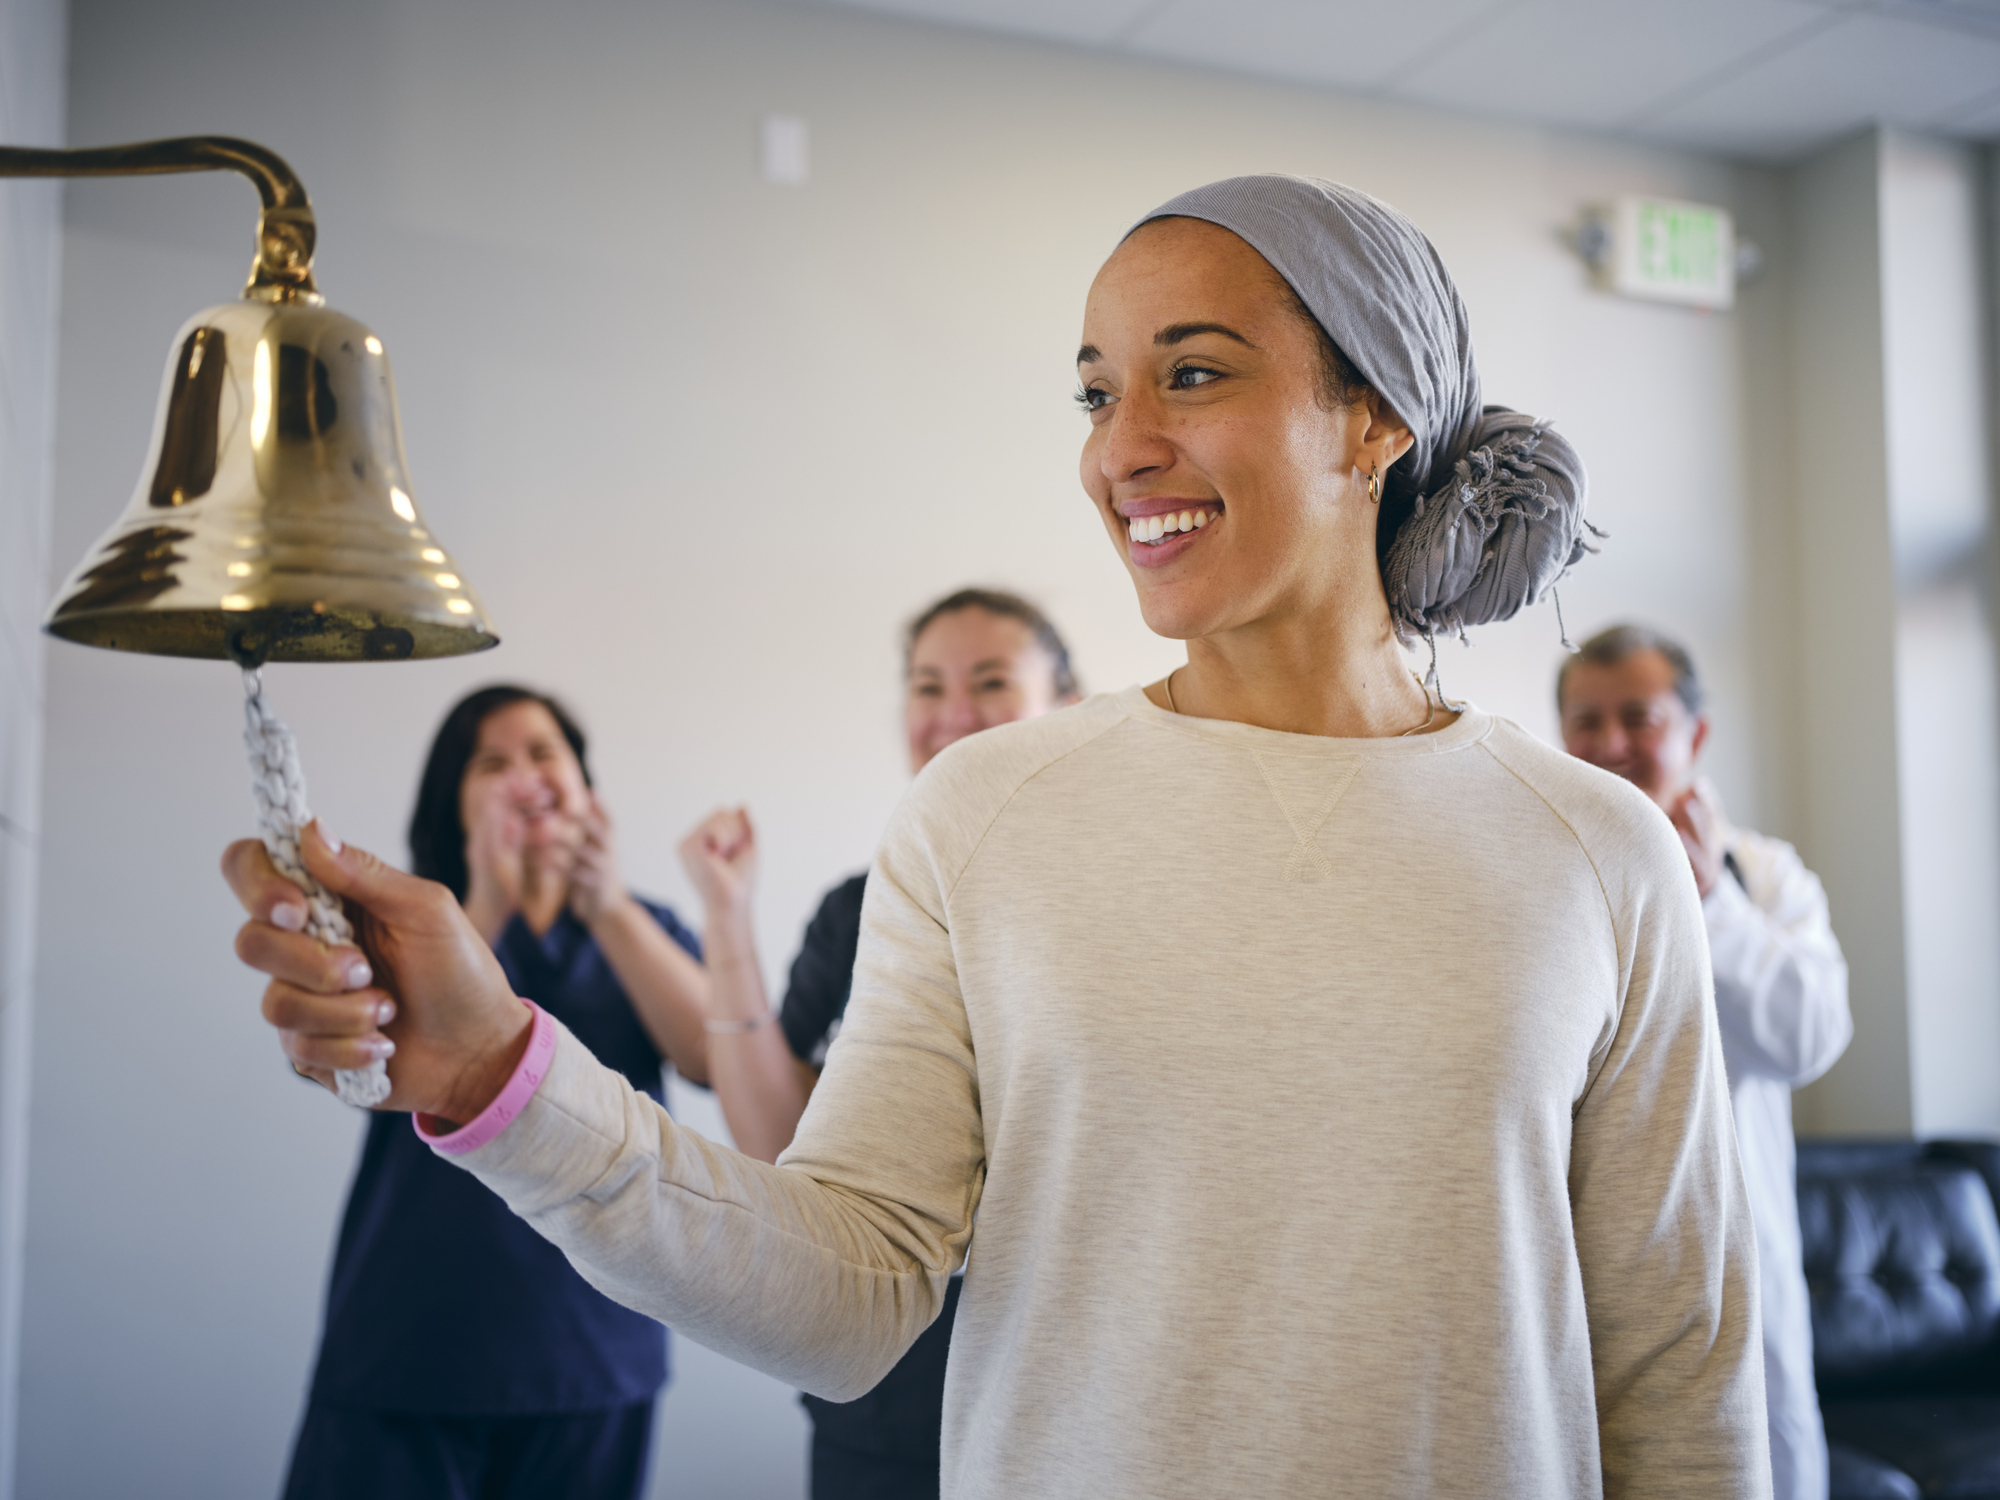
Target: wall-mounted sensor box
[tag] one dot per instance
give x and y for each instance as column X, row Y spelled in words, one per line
column 1663, row 250
column 784, row 150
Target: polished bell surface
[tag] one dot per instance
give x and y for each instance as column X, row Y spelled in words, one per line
column 273, row 520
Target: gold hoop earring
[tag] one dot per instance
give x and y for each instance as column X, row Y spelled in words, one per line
column 1375, row 485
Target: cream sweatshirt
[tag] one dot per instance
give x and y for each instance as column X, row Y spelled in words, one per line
column 1336, row 1117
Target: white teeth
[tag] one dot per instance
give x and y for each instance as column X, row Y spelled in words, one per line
column 1152, row 528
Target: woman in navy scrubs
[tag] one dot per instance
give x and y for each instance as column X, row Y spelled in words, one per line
column 974, row 659
column 462, row 1356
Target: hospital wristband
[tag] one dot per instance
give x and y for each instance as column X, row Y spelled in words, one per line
column 511, row 1100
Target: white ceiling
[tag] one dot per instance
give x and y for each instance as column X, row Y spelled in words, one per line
column 1766, row 79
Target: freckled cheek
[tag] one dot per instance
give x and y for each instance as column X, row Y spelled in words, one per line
column 1234, row 452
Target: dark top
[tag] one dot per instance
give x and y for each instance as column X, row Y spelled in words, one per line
column 441, row 1300
column 903, row 1416
column 823, row 973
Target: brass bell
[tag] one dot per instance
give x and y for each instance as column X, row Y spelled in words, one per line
column 274, row 519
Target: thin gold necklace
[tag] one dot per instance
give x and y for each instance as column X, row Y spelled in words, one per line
column 1430, row 711
column 1430, row 704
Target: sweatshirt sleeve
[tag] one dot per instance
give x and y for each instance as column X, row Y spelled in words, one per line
column 1662, row 1221
column 1780, row 979
column 822, row 1270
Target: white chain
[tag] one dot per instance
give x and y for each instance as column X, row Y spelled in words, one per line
column 279, row 787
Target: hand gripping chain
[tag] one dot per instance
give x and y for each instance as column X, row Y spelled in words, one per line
column 279, row 787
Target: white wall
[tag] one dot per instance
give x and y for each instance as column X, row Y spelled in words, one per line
column 1934, row 255
column 1899, row 805
column 32, row 35
column 702, row 443
column 1849, row 831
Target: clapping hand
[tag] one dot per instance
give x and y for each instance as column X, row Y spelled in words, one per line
column 720, row 857
column 1697, row 818
column 596, row 889
column 521, row 850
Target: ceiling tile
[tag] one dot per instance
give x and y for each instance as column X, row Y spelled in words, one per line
column 1980, row 17
column 1585, row 63
column 1052, row 20
column 1762, row 78
column 1978, row 122
column 1333, row 43
column 1864, row 68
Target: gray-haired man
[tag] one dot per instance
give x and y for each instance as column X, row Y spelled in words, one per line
column 1632, row 703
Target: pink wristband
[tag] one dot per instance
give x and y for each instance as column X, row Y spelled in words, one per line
column 512, row 1099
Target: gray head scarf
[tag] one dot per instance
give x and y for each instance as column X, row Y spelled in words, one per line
column 1495, row 498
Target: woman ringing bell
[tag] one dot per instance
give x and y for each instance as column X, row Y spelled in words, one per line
column 1329, row 1071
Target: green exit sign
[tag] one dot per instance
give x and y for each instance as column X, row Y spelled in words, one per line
column 1670, row 251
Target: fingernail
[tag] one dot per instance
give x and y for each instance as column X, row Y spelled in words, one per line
column 358, row 974
column 381, row 1048
column 290, row 918
column 332, row 840
column 385, row 1013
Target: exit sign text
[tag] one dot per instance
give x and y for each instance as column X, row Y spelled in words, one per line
column 1673, row 252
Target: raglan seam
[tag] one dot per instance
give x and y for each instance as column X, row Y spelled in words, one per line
column 1008, row 801
column 1610, row 915
column 1569, row 827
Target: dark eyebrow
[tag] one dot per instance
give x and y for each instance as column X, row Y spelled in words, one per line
column 1172, row 334
column 1176, row 333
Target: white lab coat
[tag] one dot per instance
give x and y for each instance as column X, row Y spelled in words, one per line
column 1781, row 995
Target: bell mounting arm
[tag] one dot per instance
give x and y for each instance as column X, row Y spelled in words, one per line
column 286, row 233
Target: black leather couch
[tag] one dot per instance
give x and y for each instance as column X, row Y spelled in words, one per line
column 1902, row 1254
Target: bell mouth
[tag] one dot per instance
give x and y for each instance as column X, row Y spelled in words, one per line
column 255, row 636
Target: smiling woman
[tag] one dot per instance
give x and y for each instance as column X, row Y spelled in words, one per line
column 975, row 659
column 460, row 1352
column 1317, row 1081
column 1473, row 511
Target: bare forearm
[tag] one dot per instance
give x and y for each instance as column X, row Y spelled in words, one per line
column 761, row 1086
column 668, row 989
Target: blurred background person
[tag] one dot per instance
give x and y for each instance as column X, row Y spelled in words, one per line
column 462, row 1355
column 1631, row 702
column 974, row 659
